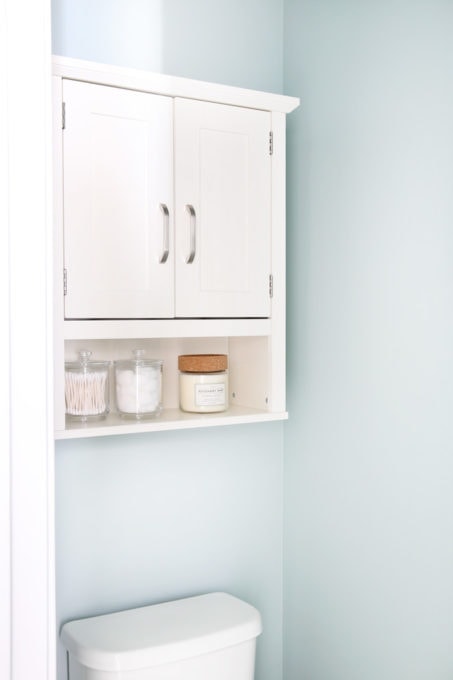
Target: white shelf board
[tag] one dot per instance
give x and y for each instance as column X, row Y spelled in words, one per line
column 169, row 419
column 116, row 329
column 173, row 86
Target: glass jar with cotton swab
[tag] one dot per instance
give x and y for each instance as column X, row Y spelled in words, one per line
column 86, row 388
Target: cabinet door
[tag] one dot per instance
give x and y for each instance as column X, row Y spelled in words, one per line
column 118, row 198
column 222, row 209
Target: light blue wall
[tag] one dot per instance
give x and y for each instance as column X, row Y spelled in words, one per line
column 369, row 458
column 146, row 518
column 235, row 42
column 149, row 518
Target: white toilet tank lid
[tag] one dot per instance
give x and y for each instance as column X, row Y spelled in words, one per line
column 161, row 633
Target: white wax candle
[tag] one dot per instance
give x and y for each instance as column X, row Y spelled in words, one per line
column 203, row 392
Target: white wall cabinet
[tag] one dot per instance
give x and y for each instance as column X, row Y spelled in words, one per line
column 130, row 250
column 170, row 233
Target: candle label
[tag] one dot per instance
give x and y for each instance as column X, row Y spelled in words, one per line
column 212, row 394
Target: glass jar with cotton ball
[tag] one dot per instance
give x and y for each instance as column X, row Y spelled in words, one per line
column 138, row 386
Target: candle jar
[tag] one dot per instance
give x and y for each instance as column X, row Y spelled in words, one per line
column 138, row 386
column 86, row 388
column 203, row 382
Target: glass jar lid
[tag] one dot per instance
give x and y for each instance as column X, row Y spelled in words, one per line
column 138, row 360
column 84, row 363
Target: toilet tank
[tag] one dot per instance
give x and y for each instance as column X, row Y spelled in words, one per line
column 207, row 637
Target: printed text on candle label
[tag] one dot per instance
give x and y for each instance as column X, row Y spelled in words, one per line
column 210, row 395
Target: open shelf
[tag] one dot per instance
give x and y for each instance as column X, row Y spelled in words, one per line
column 169, row 419
column 253, row 388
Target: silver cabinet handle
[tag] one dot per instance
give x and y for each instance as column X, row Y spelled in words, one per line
column 193, row 219
column 165, row 234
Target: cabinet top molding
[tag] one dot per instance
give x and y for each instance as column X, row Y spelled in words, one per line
column 172, row 86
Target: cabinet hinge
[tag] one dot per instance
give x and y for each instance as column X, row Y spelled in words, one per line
column 65, row 281
column 63, row 115
column 271, row 286
column 271, row 143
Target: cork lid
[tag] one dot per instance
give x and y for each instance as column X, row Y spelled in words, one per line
column 202, row 363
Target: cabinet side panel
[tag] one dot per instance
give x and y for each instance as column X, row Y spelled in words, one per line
column 249, row 372
column 277, row 342
column 58, row 299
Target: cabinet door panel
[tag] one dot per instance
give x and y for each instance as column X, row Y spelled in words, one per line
column 118, row 183
column 223, row 171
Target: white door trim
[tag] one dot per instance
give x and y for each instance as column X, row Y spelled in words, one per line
column 26, row 439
